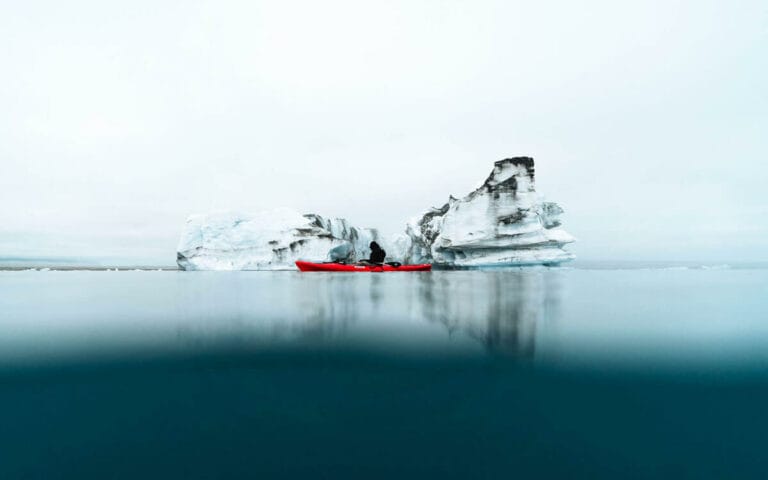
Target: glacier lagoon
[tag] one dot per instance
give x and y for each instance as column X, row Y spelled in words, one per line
column 654, row 371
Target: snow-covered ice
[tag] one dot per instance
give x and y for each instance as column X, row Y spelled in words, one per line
column 503, row 222
column 269, row 240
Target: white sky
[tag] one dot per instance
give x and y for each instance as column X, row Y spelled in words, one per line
column 648, row 120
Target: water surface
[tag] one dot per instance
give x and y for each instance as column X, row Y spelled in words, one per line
column 534, row 373
column 647, row 317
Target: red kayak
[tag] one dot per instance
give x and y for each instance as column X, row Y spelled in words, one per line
column 342, row 267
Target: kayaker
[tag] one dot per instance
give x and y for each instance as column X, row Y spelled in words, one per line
column 377, row 254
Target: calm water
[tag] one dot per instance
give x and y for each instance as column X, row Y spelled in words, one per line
column 642, row 373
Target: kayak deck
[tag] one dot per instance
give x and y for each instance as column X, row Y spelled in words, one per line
column 342, row 267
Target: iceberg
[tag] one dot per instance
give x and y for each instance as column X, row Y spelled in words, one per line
column 501, row 223
column 270, row 240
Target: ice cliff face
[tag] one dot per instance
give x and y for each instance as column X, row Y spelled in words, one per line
column 271, row 240
column 500, row 223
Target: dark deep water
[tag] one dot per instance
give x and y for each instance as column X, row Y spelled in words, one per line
column 536, row 373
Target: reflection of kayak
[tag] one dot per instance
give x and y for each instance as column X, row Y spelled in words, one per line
column 342, row 267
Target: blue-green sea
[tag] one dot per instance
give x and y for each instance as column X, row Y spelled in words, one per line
column 598, row 371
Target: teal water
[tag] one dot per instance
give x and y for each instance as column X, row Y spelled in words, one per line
column 676, row 318
column 642, row 373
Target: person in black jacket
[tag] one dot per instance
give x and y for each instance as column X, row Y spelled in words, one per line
column 377, row 254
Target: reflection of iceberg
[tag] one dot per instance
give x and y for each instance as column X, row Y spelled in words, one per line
column 499, row 311
column 502, row 310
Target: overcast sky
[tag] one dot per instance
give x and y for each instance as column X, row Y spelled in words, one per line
column 648, row 120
